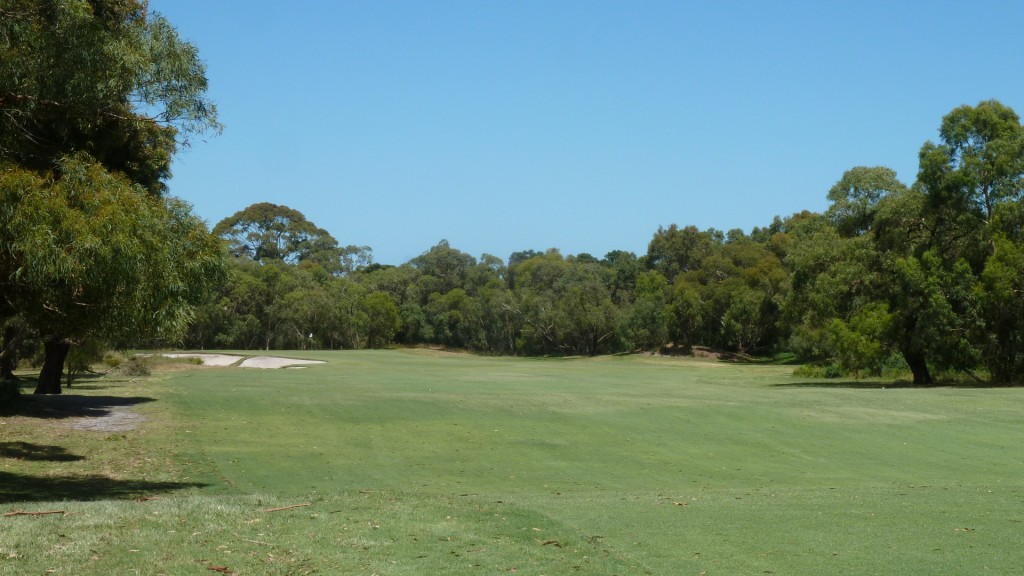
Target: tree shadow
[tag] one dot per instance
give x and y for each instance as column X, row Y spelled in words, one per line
column 885, row 384
column 79, row 387
column 74, row 406
column 857, row 384
column 28, row 488
column 37, row 452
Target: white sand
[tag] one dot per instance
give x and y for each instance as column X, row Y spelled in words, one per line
column 274, row 362
column 210, row 359
column 242, row 361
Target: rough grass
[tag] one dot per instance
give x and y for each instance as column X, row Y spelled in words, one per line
column 418, row 463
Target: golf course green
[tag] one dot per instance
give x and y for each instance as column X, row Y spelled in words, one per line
column 424, row 462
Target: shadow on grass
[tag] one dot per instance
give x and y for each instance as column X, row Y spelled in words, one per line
column 885, row 384
column 28, row 488
column 37, row 452
column 862, row 384
column 74, row 406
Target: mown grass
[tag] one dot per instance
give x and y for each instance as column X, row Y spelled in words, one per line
column 415, row 462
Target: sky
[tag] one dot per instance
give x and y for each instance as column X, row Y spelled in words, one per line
column 507, row 125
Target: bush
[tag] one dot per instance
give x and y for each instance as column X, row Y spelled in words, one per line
column 134, row 367
column 113, row 359
column 831, row 370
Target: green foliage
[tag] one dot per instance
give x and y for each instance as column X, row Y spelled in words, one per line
column 263, row 232
column 674, row 250
column 382, row 319
column 113, row 359
column 108, row 78
column 855, row 198
column 1001, row 295
column 88, row 255
column 95, row 98
column 82, row 357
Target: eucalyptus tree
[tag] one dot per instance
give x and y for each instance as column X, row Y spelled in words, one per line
column 104, row 77
column 448, row 265
column 644, row 324
column 264, row 231
column 973, row 182
column 564, row 306
column 864, row 284
column 89, row 256
column 96, row 96
column 675, row 250
column 932, row 272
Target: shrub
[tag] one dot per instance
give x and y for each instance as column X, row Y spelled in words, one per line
column 134, row 367
column 831, row 370
column 113, row 359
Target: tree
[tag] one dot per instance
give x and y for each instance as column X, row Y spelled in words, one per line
column 973, row 184
column 979, row 163
column 89, row 256
column 382, row 319
column 104, row 77
column 445, row 263
column 95, row 98
column 645, row 323
column 265, row 231
column 856, row 196
column 674, row 250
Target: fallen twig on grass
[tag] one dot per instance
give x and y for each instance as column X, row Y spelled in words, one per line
column 24, row 513
column 288, row 507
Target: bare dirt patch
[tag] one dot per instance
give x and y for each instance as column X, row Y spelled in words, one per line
column 120, row 419
column 95, row 413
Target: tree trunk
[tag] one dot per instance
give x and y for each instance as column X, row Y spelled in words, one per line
column 7, row 367
column 9, row 353
column 56, row 351
column 919, row 367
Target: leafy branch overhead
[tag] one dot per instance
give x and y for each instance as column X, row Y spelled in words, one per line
column 104, row 77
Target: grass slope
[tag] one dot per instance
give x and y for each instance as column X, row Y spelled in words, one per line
column 417, row 462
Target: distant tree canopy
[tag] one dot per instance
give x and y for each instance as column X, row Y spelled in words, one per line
column 95, row 98
column 928, row 277
column 265, row 231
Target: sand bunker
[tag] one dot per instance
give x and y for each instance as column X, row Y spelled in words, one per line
column 274, row 362
column 242, row 361
column 209, row 359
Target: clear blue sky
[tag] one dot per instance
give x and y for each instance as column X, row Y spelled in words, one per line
column 578, row 125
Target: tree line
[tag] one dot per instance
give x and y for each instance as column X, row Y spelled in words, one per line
column 96, row 97
column 928, row 277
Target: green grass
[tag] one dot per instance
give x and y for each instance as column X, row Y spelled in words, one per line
column 416, row 462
